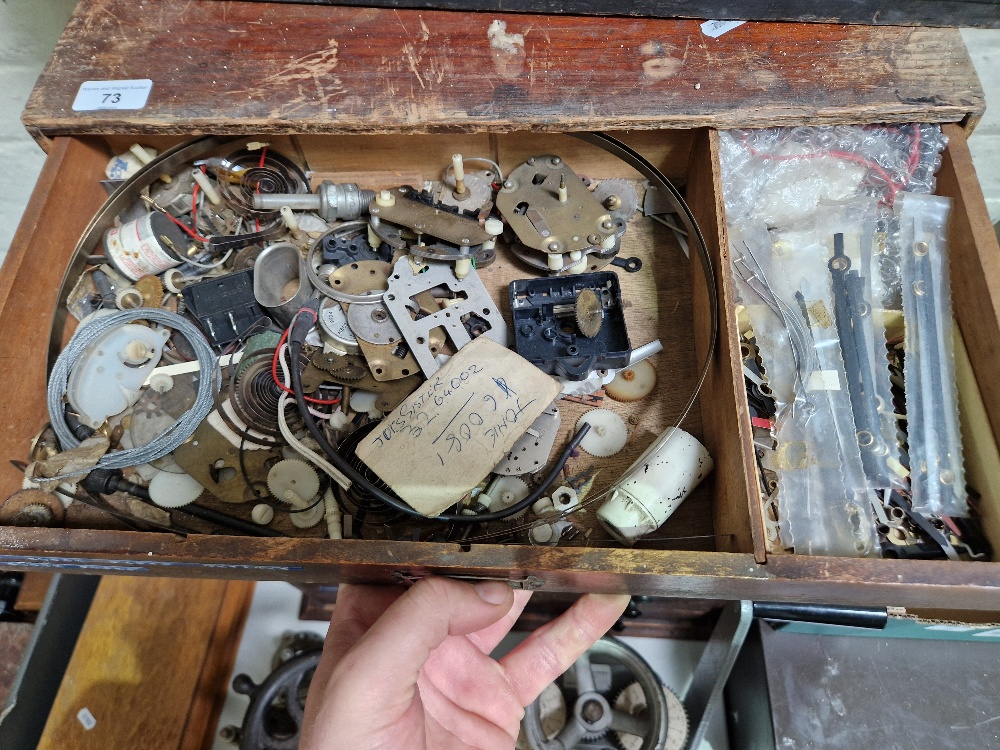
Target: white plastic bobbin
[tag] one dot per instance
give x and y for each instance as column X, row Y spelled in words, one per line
column 493, row 226
column 462, row 267
column 170, row 490
column 650, row 491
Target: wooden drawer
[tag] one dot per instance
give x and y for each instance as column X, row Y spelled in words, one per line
column 404, row 90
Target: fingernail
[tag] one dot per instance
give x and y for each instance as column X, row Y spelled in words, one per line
column 492, row 592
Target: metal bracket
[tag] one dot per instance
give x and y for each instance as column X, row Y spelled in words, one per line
column 704, row 696
column 472, row 299
column 526, row 583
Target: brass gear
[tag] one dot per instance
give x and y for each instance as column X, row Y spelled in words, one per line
column 151, row 289
column 345, row 366
column 32, row 508
column 589, row 313
column 619, row 197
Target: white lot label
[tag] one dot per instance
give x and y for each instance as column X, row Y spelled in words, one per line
column 112, row 95
column 86, row 718
column 715, row 29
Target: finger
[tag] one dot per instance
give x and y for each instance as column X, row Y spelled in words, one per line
column 398, row 644
column 489, row 638
column 356, row 609
column 551, row 649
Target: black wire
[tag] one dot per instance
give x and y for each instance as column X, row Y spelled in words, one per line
column 324, row 485
column 295, row 343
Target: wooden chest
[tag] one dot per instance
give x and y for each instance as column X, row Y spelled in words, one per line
column 351, row 89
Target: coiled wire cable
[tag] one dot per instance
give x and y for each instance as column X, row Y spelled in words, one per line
column 173, row 436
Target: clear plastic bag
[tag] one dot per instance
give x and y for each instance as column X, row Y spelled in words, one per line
column 817, row 267
column 781, row 175
column 823, row 492
column 937, row 476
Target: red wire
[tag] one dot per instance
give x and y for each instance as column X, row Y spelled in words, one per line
column 894, row 187
column 194, row 208
column 285, row 388
column 186, row 228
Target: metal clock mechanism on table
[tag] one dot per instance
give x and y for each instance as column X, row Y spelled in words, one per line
column 250, row 353
column 609, row 699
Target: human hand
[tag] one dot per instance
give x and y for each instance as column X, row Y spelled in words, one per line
column 411, row 670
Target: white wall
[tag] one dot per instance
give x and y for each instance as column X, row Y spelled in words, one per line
column 984, row 47
column 29, row 30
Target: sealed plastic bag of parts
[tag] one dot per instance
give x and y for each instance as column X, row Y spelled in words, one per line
column 937, row 477
column 850, row 232
column 824, row 497
column 780, row 176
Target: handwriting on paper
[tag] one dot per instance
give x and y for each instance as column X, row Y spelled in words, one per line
column 446, row 436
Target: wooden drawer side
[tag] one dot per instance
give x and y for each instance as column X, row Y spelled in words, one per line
column 64, row 200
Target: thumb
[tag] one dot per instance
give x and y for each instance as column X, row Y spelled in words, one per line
column 396, row 647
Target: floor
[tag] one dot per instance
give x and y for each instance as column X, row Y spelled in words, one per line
column 29, row 30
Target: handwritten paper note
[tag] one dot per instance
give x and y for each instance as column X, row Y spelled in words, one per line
column 446, row 436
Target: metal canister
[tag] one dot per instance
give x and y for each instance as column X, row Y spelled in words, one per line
column 145, row 246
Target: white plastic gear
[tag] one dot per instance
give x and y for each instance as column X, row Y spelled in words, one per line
column 128, row 298
column 161, row 382
column 632, row 700
column 306, row 519
column 169, row 490
column 632, row 383
column 608, row 433
column 625, row 191
column 507, row 491
column 293, row 475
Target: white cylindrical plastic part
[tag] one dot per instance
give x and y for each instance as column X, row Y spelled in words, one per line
column 563, row 194
column 555, row 261
column 141, row 153
column 373, row 239
column 384, row 198
column 608, row 242
column 542, row 505
column 459, row 166
column 462, row 267
column 173, row 280
column 334, row 518
column 128, row 298
column 338, row 419
column 493, row 226
column 262, row 513
column 289, row 218
column 541, row 534
column 649, row 493
column 576, row 256
column 205, row 184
